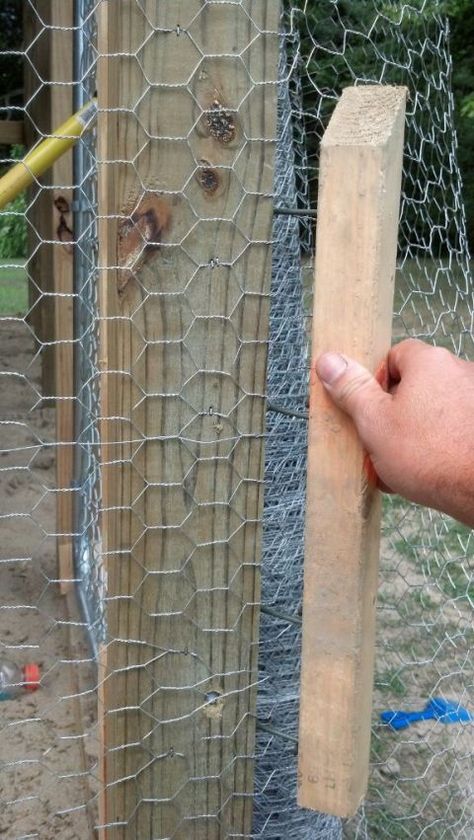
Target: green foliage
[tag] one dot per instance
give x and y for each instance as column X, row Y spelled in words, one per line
column 390, row 682
column 383, row 823
column 13, row 229
column 467, row 106
column 13, row 238
column 462, row 39
column 13, row 289
column 389, row 42
column 344, row 41
column 11, row 66
column 456, row 8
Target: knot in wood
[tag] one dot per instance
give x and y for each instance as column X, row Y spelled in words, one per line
column 208, row 179
column 140, row 235
column 221, row 123
column 62, row 204
column 214, row 705
column 63, row 231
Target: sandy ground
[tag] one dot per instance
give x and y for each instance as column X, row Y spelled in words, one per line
column 422, row 779
column 47, row 768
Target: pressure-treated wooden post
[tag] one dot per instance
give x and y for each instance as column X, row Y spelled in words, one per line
column 49, row 94
column 60, row 19
column 185, row 182
column 359, row 196
column 37, row 93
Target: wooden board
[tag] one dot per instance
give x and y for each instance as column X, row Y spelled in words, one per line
column 39, row 212
column 50, row 249
column 184, row 324
column 11, row 132
column 359, row 195
column 60, row 208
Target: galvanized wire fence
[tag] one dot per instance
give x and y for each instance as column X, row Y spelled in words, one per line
column 421, row 780
column 87, row 545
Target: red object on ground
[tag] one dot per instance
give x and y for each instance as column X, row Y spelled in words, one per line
column 31, row 676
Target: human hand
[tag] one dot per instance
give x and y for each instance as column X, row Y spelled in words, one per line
column 420, row 433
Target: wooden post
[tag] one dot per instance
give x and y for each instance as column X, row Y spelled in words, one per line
column 50, row 243
column 185, row 273
column 60, row 208
column 12, row 131
column 38, row 213
column 359, row 195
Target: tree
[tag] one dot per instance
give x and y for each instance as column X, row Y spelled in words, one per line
column 392, row 41
column 12, row 222
column 461, row 14
column 11, row 33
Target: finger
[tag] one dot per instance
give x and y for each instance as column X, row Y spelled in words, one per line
column 354, row 389
column 403, row 355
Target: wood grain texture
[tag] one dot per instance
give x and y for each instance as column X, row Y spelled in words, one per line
column 60, row 209
column 359, row 195
column 186, row 230
column 38, row 213
column 12, row 131
column 50, row 234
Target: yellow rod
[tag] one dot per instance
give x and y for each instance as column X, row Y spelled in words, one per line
column 46, row 153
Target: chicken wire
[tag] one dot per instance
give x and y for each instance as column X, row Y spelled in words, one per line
column 421, row 780
column 87, row 496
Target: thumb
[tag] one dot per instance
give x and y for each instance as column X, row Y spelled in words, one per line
column 354, row 389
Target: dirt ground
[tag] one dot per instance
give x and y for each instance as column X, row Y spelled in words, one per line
column 422, row 779
column 47, row 764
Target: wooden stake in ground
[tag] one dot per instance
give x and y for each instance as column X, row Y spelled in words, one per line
column 359, row 196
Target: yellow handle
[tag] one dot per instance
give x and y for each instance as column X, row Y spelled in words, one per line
column 46, row 153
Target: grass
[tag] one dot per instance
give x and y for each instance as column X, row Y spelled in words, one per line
column 382, row 821
column 443, row 558
column 384, row 824
column 456, row 580
column 389, row 682
column 13, row 288
column 432, row 302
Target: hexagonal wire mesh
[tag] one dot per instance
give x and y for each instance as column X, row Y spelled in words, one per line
column 87, row 551
column 421, row 780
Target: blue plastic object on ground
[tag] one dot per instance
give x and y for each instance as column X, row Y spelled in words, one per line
column 446, row 711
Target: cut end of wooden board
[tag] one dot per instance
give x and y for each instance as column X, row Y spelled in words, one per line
column 333, row 781
column 364, row 116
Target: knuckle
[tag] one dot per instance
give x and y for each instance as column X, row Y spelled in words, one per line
column 441, row 354
column 407, row 344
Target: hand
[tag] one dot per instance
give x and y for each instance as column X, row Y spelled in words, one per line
column 420, row 433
